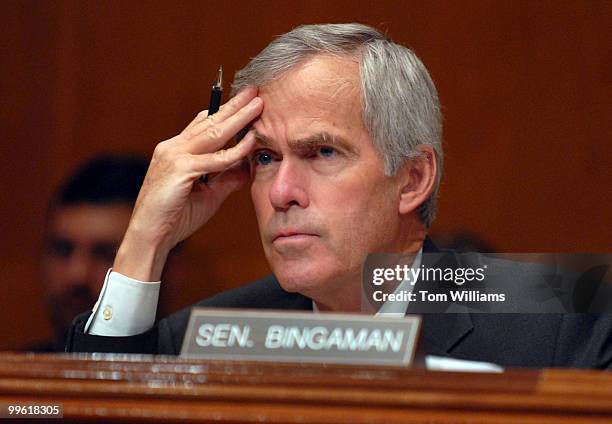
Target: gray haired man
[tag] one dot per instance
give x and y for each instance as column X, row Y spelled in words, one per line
column 345, row 157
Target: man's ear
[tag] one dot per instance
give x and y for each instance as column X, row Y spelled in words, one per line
column 418, row 177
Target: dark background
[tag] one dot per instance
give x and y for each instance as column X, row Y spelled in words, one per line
column 525, row 88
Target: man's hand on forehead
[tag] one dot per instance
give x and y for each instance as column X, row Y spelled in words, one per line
column 172, row 203
column 206, row 134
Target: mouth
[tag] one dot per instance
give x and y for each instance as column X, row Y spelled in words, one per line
column 292, row 236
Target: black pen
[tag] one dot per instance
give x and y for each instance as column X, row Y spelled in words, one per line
column 215, row 103
column 216, row 93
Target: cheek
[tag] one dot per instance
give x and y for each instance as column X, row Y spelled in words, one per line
column 54, row 269
column 96, row 281
column 99, row 269
column 260, row 201
column 363, row 218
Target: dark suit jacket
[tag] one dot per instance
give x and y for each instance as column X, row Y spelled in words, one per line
column 508, row 339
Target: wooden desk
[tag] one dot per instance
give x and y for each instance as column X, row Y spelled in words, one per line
column 137, row 388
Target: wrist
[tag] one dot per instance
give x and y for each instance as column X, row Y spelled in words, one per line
column 140, row 258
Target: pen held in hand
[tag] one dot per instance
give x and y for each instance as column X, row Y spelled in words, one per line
column 216, row 93
column 215, row 103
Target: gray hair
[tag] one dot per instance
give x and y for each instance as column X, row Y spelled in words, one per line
column 401, row 110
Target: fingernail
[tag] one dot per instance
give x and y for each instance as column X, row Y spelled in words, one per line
column 255, row 102
column 247, row 89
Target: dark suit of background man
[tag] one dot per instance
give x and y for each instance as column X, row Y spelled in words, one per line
column 345, row 159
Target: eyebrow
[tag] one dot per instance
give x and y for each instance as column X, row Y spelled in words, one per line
column 308, row 143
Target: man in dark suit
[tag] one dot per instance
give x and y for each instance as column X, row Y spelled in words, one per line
column 345, row 157
column 509, row 339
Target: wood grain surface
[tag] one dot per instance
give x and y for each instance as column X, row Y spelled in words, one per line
column 141, row 388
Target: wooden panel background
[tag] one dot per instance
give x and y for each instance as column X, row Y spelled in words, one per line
column 525, row 87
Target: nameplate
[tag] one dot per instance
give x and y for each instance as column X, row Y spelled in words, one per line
column 248, row 335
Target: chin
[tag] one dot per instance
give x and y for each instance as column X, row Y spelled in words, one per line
column 297, row 276
column 297, row 282
column 306, row 276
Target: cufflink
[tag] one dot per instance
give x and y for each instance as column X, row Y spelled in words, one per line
column 107, row 313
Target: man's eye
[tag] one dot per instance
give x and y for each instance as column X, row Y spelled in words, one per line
column 326, row 151
column 263, row 158
column 60, row 248
column 105, row 252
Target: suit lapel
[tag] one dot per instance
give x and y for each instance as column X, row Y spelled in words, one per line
column 442, row 331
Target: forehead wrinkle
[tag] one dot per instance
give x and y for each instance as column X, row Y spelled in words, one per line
column 343, row 88
column 341, row 82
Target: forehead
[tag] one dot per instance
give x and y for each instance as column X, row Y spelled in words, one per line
column 325, row 77
column 320, row 95
column 90, row 221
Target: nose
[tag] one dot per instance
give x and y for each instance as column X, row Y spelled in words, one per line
column 289, row 187
column 79, row 267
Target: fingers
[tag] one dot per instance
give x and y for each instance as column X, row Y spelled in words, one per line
column 206, row 134
column 195, row 152
column 230, row 180
column 199, row 118
column 224, row 159
column 212, row 134
column 238, row 101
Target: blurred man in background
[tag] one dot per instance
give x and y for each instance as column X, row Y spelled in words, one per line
column 85, row 223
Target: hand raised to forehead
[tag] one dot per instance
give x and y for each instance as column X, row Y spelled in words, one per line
column 172, row 204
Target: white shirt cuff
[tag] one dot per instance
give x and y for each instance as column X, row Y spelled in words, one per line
column 126, row 307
